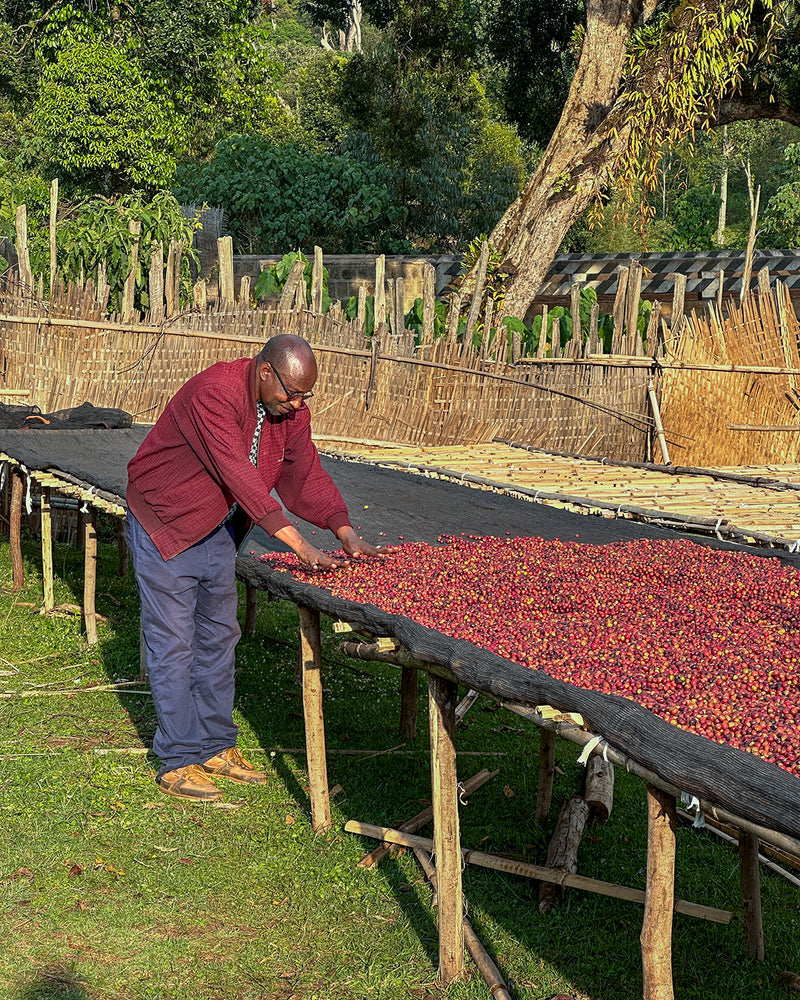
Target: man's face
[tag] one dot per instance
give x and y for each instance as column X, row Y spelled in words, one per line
column 283, row 391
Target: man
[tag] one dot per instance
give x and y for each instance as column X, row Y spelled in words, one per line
column 228, row 437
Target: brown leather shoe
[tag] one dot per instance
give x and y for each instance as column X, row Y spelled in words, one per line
column 230, row 764
column 189, row 782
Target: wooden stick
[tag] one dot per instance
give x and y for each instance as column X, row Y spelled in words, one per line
column 750, row 883
column 656, row 935
column 547, row 770
column 480, row 956
column 15, row 530
column 424, row 817
column 538, row 872
column 47, row 550
column 442, row 695
column 23, row 258
column 90, row 575
column 53, row 217
column 409, row 702
column 751, row 243
column 311, row 653
column 317, row 275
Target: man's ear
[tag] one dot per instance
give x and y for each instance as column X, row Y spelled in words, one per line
column 264, row 369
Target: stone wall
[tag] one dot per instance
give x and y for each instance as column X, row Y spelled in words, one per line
column 348, row 272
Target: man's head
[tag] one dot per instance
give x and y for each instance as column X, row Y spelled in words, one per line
column 287, row 371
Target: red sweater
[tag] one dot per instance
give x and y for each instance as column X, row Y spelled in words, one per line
column 195, row 462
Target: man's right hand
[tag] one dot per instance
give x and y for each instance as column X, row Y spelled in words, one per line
column 307, row 553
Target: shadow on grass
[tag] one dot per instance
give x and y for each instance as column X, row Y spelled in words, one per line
column 55, row 982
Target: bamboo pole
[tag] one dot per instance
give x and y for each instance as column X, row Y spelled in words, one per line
column 122, row 546
column 678, row 297
column 618, row 312
column 656, row 935
column 750, row 884
column 311, row 657
column 632, row 305
column 409, row 702
column 15, row 530
column 662, row 439
column 486, row 967
column 90, row 575
column 47, row 550
column 547, row 770
column 538, row 872
column 379, row 311
column 442, row 696
column 144, row 672
column 52, row 231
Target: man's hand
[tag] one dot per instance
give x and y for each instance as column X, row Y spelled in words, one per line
column 307, row 553
column 356, row 547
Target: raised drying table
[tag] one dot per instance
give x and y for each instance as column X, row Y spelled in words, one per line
column 761, row 799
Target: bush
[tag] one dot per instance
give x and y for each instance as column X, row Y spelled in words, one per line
column 280, row 196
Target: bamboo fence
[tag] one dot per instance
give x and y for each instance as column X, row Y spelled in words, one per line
column 726, row 377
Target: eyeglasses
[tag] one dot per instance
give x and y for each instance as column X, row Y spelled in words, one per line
column 291, row 396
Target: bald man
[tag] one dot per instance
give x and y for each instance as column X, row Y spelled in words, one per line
column 228, row 437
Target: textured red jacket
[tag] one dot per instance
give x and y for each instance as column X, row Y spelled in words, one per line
column 195, row 462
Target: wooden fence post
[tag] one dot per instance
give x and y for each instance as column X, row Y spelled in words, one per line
column 225, row 252
column 156, row 284
column 134, row 228
column 24, row 265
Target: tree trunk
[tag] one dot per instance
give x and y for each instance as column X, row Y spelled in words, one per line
column 577, row 161
column 722, row 218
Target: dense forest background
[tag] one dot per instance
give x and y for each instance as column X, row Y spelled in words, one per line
column 356, row 125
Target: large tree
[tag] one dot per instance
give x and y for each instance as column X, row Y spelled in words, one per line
column 648, row 75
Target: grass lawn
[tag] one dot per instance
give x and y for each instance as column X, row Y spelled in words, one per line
column 110, row 889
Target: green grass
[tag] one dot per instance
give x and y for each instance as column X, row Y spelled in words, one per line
column 109, row 889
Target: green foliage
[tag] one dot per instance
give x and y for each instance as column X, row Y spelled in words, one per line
column 102, row 128
column 272, row 279
column 695, row 219
column 97, row 232
column 279, row 196
column 781, row 220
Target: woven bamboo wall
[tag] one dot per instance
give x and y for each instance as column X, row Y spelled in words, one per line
column 435, row 393
column 736, row 418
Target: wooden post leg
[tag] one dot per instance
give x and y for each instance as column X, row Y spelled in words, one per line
column 251, row 608
column 47, row 551
column 409, row 702
column 122, row 547
column 547, row 770
column 311, row 652
column 750, row 880
column 442, row 696
column 15, row 530
column 656, row 936
column 90, row 575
